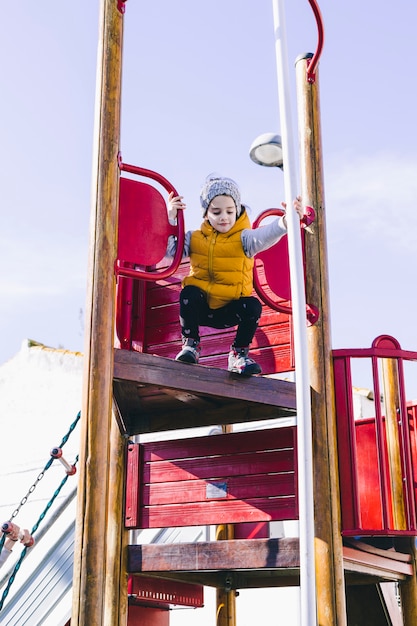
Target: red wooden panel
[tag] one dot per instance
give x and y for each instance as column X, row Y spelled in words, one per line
column 368, row 479
column 237, row 477
column 147, row 616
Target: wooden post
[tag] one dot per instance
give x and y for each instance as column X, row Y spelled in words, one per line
column 392, row 406
column 90, row 555
column 331, row 605
column 225, row 599
column 408, row 587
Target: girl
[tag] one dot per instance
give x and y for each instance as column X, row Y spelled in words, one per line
column 217, row 291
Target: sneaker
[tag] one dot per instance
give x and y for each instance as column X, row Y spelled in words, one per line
column 241, row 363
column 190, row 352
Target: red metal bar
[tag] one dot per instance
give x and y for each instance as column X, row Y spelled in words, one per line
column 277, row 256
column 347, row 443
column 405, row 436
column 382, row 465
column 311, row 66
column 381, row 352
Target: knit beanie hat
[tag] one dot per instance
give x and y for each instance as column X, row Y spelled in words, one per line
column 219, row 186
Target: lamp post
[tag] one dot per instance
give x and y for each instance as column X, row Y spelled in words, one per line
column 267, row 150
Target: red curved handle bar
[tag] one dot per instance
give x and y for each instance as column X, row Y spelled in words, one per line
column 281, row 308
column 312, row 64
column 128, row 272
column 312, row 312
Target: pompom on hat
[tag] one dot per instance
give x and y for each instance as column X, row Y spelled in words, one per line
column 219, row 186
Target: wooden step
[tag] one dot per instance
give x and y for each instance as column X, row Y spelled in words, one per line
column 154, row 394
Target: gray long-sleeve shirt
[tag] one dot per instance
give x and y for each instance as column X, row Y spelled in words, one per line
column 254, row 240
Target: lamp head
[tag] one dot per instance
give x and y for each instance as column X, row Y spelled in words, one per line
column 267, row 150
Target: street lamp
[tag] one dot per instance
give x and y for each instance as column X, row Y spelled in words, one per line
column 267, row 150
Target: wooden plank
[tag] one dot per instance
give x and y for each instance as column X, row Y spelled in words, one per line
column 153, row 370
column 383, row 567
column 220, row 467
column 133, row 484
column 237, row 554
column 389, row 597
column 261, row 486
column 365, row 547
column 260, row 440
column 216, row 512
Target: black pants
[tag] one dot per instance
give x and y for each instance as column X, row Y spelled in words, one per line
column 194, row 312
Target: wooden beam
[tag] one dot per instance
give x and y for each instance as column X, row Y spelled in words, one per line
column 247, row 563
column 237, row 554
column 243, row 579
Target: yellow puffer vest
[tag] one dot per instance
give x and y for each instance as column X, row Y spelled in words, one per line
column 218, row 264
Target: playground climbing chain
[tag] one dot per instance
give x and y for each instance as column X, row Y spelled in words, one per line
column 56, row 453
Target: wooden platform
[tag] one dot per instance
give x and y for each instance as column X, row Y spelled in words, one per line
column 153, row 393
column 253, row 563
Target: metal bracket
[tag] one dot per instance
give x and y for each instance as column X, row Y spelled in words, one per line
column 309, row 216
column 121, row 5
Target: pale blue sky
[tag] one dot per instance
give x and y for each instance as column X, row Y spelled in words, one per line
column 199, row 84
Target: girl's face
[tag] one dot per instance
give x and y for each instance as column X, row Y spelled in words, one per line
column 221, row 213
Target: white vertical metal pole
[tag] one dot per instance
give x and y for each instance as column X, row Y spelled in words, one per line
column 304, row 432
